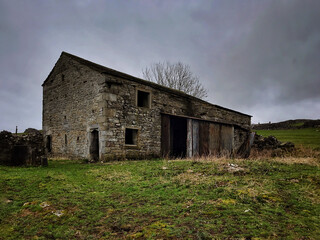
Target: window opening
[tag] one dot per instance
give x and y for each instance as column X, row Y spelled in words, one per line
column 143, row 99
column 65, row 140
column 131, row 136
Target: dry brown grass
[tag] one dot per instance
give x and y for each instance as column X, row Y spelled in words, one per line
column 299, row 155
column 102, row 174
column 194, row 178
column 300, row 160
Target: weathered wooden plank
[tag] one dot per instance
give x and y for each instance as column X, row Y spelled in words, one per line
column 214, row 138
column 227, row 140
column 165, row 135
column 189, row 138
column 203, row 138
column 195, row 138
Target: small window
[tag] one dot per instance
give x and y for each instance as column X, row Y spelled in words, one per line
column 65, row 140
column 131, row 136
column 143, row 99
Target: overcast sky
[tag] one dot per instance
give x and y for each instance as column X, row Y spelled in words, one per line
column 259, row 57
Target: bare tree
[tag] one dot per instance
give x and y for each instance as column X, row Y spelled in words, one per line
column 177, row 76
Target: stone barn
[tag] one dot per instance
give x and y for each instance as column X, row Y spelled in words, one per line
column 94, row 112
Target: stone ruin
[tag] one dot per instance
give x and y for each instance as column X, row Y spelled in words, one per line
column 22, row 149
column 271, row 143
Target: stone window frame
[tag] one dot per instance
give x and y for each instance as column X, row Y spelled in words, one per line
column 146, row 91
column 138, row 137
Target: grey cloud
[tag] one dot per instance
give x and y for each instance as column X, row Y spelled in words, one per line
column 279, row 53
column 249, row 54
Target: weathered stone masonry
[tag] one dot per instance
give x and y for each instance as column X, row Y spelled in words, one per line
column 89, row 109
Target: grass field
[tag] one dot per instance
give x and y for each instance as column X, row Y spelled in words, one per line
column 307, row 137
column 160, row 199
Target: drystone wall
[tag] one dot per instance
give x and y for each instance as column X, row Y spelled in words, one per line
column 289, row 124
column 123, row 112
column 26, row 149
column 272, row 144
column 73, row 104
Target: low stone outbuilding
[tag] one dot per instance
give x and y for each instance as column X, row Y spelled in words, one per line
column 91, row 111
column 22, row 149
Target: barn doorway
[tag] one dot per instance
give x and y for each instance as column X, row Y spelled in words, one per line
column 49, row 143
column 20, row 155
column 94, row 145
column 178, row 136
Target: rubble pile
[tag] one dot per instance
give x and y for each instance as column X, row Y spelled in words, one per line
column 261, row 143
column 22, row 149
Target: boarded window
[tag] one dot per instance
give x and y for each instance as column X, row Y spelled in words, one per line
column 131, row 137
column 143, row 99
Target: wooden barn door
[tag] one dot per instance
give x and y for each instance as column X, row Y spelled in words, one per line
column 182, row 137
column 214, row 138
column 204, row 138
column 193, row 140
column 189, row 139
column 165, row 135
column 227, row 139
column 173, row 136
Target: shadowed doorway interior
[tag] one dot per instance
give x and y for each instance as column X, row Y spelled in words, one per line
column 94, row 145
column 178, row 132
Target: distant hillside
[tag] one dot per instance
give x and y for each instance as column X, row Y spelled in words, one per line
column 289, row 124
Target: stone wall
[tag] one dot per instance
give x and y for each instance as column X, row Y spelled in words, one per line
column 79, row 96
column 25, row 149
column 289, row 124
column 123, row 112
column 72, row 103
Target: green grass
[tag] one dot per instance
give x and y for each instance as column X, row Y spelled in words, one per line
column 160, row 199
column 298, row 124
column 307, row 137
